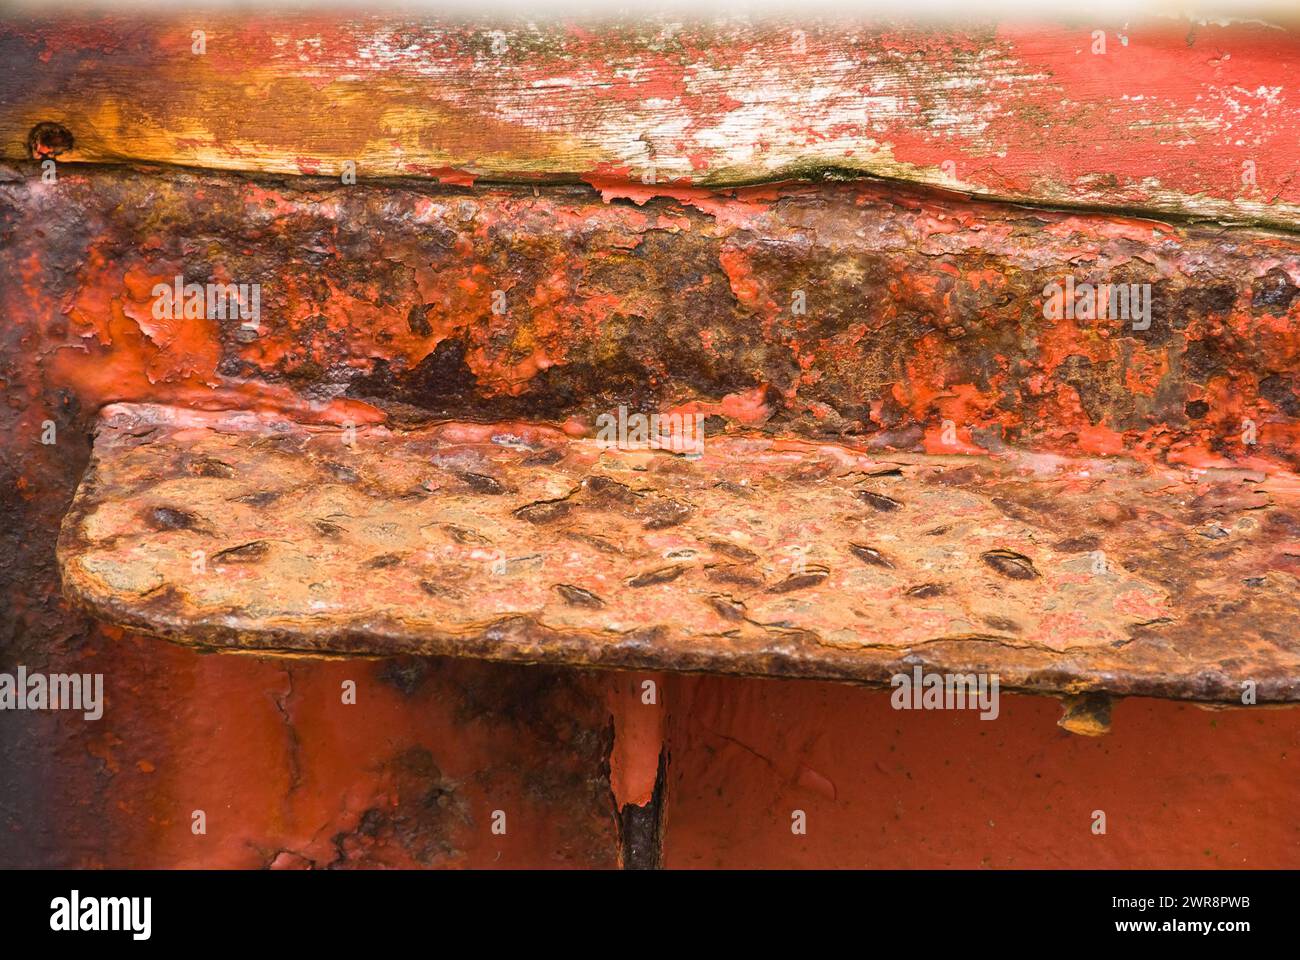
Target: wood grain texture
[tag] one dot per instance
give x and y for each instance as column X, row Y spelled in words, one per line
column 1167, row 119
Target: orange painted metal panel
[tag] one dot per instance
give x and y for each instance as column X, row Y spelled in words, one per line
column 1181, row 787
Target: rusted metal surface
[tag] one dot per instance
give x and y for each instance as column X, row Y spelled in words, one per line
column 1087, row 715
column 378, row 303
column 290, row 777
column 760, row 556
column 923, row 307
column 1182, row 787
column 1161, row 113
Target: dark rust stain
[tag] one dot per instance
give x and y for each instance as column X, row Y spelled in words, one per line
column 869, row 555
column 926, row 590
column 1015, row 566
column 727, row 607
column 878, row 501
column 654, row 577
column 732, row 550
column 544, row 511
column 249, row 552
column 482, row 483
column 169, row 518
column 663, row 512
column 738, row 574
column 1082, row 544
column 578, row 597
column 810, row 577
column 210, row 467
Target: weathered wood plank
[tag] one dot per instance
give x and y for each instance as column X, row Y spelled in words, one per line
column 1176, row 116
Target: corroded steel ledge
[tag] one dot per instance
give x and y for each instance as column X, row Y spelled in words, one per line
column 419, row 302
column 760, row 556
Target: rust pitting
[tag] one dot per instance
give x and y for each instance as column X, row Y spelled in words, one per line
column 869, row 555
column 1014, row 566
column 992, row 587
column 695, row 319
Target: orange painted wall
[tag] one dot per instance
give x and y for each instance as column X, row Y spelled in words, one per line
column 1181, row 786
